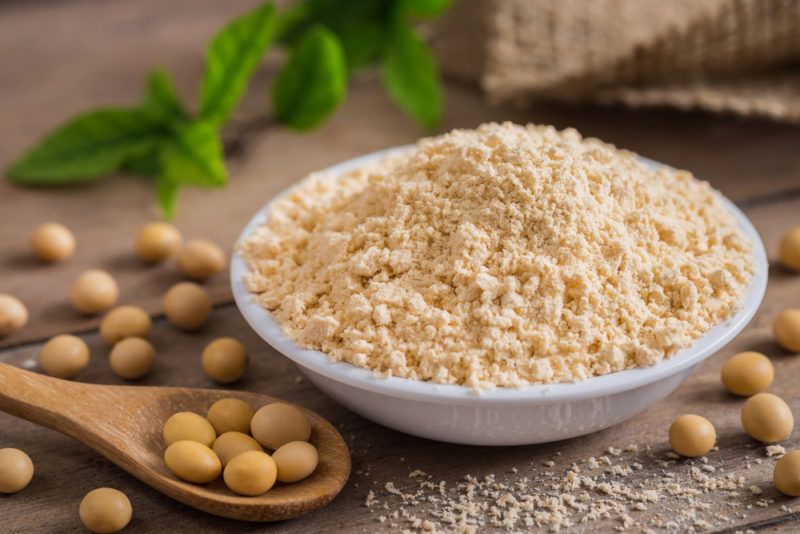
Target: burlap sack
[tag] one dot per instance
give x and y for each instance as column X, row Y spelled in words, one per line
column 723, row 55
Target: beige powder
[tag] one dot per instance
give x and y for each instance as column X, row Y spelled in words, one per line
column 584, row 497
column 638, row 490
column 501, row 256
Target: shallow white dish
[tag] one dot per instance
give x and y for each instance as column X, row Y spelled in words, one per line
column 503, row 416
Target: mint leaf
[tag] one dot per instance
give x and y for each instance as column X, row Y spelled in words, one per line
column 428, row 9
column 194, row 156
column 291, row 23
column 161, row 99
column 313, row 82
column 162, row 102
column 334, row 14
column 147, row 164
column 88, row 146
column 411, row 76
column 232, row 56
column 359, row 26
column 167, row 196
column 361, row 42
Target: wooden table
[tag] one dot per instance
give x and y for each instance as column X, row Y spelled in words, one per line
column 59, row 58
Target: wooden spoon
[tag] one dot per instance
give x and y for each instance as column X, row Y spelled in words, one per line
column 124, row 424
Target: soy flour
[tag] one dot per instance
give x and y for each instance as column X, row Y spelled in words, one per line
column 501, row 256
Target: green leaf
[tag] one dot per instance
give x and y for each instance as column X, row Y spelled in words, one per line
column 292, row 23
column 161, row 99
column 87, row 147
column 167, row 196
column 429, row 9
column 312, row 83
column 361, row 42
column 410, row 74
column 194, row 156
column 359, row 25
column 147, row 164
column 334, row 13
column 232, row 56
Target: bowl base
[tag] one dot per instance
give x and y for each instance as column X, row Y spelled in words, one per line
column 498, row 423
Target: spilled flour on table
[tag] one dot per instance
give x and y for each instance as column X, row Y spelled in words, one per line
column 626, row 489
column 501, row 256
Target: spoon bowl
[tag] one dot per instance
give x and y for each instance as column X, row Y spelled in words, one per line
column 124, row 424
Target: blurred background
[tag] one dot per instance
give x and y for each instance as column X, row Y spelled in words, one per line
column 734, row 56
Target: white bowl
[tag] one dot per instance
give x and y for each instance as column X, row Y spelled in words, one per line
column 502, row 416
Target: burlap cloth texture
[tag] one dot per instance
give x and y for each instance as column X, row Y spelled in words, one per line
column 740, row 56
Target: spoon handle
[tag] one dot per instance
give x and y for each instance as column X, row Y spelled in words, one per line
column 89, row 413
column 56, row 404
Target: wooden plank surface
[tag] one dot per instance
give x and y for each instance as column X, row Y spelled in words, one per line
column 754, row 163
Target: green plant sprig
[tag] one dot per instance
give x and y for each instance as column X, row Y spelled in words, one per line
column 327, row 42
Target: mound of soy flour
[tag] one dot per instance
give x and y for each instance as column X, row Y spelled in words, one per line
column 501, row 256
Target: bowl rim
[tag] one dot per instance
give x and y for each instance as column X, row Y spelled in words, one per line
column 263, row 323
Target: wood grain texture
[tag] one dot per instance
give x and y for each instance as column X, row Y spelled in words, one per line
column 124, row 424
column 755, row 163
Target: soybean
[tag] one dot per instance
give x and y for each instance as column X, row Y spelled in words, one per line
column 64, row 356
column 228, row 415
column 224, row 360
column 13, row 314
column 105, row 510
column 157, row 241
column 231, row 444
column 276, row 424
column 250, row 473
column 125, row 321
column 192, row 462
column 789, row 251
column 93, row 292
column 747, row 373
column 187, row 306
column 200, row 259
column 296, row 460
column 692, row 435
column 786, row 475
column 52, row 242
column 787, row 330
column 16, row 470
column 189, row 426
column 767, row 418
column 132, row 358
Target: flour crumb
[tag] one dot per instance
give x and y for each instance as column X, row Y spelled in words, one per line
column 775, row 451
